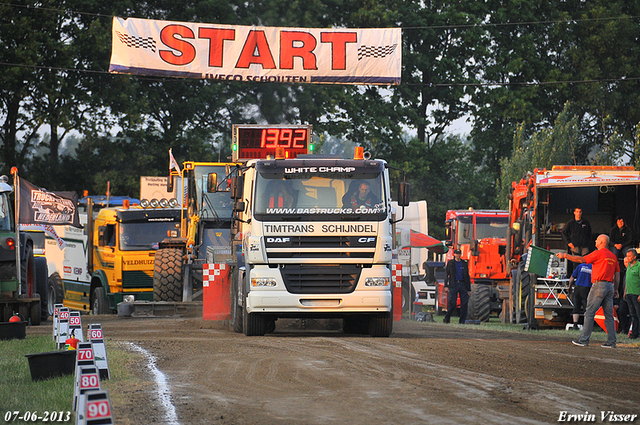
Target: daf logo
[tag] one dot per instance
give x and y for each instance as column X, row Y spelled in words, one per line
column 278, row 240
column 366, row 240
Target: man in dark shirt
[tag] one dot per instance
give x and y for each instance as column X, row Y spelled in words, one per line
column 577, row 234
column 620, row 237
column 459, row 283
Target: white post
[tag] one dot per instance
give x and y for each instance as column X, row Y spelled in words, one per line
column 16, row 188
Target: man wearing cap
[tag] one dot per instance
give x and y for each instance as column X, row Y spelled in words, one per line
column 458, row 281
column 605, row 275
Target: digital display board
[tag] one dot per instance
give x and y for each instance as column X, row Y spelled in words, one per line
column 255, row 141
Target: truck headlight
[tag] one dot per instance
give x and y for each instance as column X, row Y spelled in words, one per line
column 263, row 281
column 376, row 281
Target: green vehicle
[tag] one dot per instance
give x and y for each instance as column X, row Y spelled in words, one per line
column 19, row 291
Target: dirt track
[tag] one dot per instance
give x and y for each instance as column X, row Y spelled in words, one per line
column 425, row 373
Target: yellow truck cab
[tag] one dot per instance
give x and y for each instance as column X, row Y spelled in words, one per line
column 122, row 243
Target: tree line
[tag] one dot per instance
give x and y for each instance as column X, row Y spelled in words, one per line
column 539, row 81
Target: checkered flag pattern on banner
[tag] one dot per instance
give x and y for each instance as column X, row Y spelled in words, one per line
column 375, row 51
column 396, row 274
column 137, row 42
column 210, row 271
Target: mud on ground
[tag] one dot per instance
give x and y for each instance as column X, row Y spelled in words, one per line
column 424, row 373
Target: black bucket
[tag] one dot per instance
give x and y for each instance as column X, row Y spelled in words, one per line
column 13, row 330
column 52, row 363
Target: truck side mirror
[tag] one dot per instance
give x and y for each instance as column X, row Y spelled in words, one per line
column 212, row 183
column 447, row 230
column 170, row 183
column 404, row 194
column 237, row 183
column 238, row 206
column 102, row 236
column 474, row 248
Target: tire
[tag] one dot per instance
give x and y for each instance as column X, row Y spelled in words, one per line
column 253, row 324
column 99, row 303
column 479, row 302
column 42, row 275
column 28, row 283
column 54, row 292
column 437, row 310
column 28, row 272
column 521, row 285
column 380, row 325
column 24, row 310
column 236, row 308
column 406, row 299
column 168, row 275
column 35, row 311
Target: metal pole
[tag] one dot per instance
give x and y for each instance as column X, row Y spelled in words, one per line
column 108, row 193
column 16, row 188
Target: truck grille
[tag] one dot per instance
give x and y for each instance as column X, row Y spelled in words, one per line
column 320, row 279
column 136, row 279
column 318, row 247
column 319, row 242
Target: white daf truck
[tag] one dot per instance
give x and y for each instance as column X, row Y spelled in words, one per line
column 313, row 234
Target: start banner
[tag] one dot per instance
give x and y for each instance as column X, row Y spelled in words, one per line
column 256, row 54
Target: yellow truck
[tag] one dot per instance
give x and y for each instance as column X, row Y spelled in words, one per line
column 110, row 260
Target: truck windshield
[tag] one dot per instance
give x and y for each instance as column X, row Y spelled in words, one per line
column 5, row 213
column 486, row 227
column 145, row 236
column 356, row 195
column 215, row 205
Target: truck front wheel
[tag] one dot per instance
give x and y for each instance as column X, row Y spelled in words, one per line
column 99, row 301
column 381, row 325
column 253, row 324
column 168, row 275
column 54, row 292
column 480, row 302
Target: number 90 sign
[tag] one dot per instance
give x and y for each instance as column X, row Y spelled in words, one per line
column 98, row 409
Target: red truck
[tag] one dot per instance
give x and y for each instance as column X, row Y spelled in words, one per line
column 481, row 235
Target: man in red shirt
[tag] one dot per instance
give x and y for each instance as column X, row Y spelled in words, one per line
column 605, row 275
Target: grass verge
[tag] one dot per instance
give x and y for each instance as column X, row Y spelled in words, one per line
column 18, row 393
